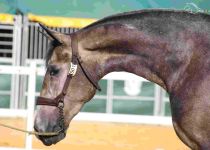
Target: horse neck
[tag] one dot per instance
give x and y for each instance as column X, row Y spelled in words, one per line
column 117, row 47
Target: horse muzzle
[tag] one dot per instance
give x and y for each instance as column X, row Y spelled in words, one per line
column 49, row 121
column 49, row 140
column 46, row 140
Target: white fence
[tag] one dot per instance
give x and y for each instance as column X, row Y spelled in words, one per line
column 32, row 71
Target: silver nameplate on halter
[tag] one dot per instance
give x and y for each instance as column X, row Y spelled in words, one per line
column 73, row 69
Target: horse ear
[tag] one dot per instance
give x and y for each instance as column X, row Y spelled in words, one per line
column 52, row 34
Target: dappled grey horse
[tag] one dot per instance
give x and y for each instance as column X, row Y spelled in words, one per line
column 168, row 47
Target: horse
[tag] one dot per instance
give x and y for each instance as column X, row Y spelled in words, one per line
column 168, row 47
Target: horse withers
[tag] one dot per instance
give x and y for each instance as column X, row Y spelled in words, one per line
column 168, row 47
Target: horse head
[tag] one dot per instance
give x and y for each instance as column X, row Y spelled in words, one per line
column 72, row 84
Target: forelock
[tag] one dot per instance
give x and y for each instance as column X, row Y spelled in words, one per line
column 50, row 50
column 62, row 53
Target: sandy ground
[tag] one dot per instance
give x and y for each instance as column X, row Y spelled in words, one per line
column 100, row 136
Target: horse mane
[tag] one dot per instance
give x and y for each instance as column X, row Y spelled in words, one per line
column 145, row 12
column 135, row 15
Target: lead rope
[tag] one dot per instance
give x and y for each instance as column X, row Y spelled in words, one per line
column 61, row 124
column 30, row 132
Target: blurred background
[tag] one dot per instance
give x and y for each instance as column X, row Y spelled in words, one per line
column 130, row 113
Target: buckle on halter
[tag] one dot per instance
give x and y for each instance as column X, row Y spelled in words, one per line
column 73, row 69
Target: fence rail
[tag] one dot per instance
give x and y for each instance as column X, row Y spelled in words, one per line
column 30, row 71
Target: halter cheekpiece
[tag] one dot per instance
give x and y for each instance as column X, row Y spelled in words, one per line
column 59, row 100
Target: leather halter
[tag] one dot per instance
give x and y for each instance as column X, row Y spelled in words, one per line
column 59, row 100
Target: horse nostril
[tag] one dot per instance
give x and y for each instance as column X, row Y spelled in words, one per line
column 38, row 128
column 56, row 128
column 47, row 128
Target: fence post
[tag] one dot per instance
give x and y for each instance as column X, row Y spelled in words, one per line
column 109, row 102
column 31, row 103
column 158, row 103
column 16, row 52
column 23, row 56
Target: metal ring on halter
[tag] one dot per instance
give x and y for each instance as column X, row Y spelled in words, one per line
column 61, row 104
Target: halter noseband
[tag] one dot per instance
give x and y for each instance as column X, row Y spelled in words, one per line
column 59, row 100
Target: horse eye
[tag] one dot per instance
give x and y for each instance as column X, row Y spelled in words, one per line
column 53, row 71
